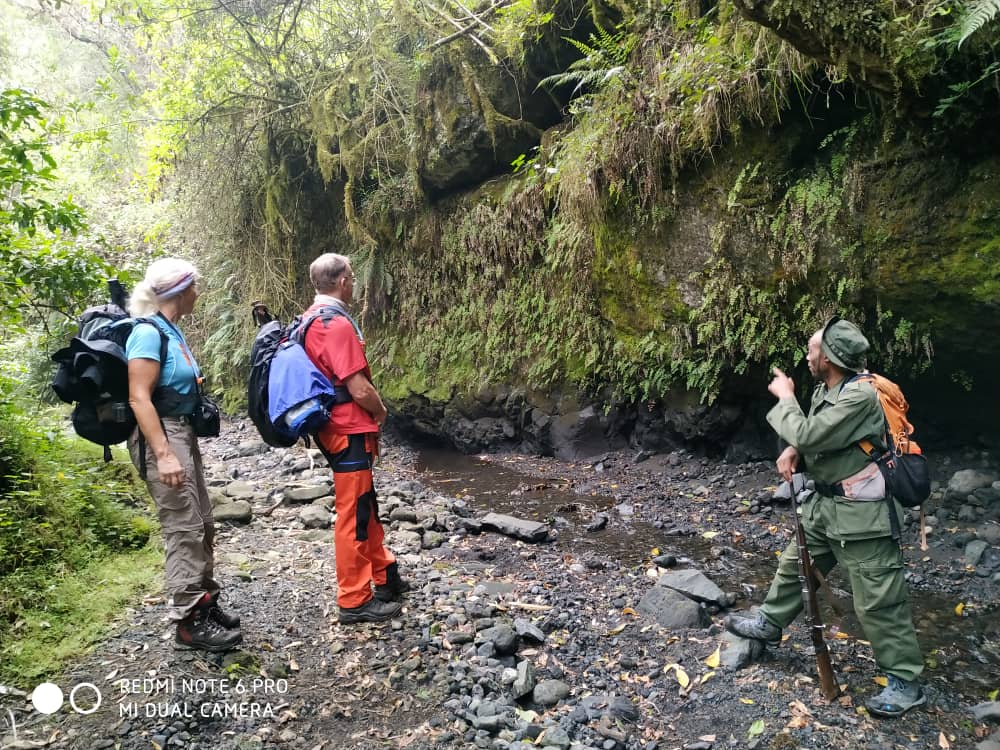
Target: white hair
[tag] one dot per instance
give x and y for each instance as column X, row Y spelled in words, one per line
column 165, row 278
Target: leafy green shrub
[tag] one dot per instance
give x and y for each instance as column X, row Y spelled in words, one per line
column 61, row 508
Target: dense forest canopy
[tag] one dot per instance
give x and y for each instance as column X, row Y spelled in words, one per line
column 617, row 198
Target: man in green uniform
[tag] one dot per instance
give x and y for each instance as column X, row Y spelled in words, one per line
column 847, row 520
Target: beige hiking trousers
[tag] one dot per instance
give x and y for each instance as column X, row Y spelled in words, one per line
column 186, row 520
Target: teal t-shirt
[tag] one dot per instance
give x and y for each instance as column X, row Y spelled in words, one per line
column 179, row 372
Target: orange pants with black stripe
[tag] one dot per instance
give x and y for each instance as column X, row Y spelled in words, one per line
column 358, row 536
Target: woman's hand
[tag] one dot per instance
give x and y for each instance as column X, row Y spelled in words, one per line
column 170, row 469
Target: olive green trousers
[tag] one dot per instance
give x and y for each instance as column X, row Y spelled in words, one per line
column 874, row 567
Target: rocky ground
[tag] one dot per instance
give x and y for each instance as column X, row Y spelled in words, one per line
column 607, row 634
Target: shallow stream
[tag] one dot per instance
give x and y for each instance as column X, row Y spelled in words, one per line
column 958, row 650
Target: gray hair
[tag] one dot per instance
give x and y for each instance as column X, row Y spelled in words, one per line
column 326, row 270
column 165, row 278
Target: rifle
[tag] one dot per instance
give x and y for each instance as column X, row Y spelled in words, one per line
column 827, row 680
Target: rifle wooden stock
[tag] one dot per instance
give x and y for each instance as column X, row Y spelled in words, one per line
column 827, row 680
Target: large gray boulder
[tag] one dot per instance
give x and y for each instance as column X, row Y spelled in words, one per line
column 316, row 517
column 581, row 433
column 963, row 483
column 550, row 692
column 671, row 609
column 238, row 511
column 240, row 490
column 307, row 493
column 737, row 652
column 694, row 585
column 519, row 528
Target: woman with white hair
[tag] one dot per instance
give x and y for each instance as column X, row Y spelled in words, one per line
column 164, row 392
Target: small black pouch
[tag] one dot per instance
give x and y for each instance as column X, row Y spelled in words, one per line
column 206, row 420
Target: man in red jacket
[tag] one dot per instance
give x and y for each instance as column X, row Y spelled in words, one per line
column 350, row 443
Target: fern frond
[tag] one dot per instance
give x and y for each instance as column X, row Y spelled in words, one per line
column 977, row 13
column 582, row 47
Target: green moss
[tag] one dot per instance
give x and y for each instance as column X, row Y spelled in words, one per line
column 78, row 613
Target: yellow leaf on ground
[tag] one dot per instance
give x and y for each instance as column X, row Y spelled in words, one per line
column 881, row 680
column 710, row 534
column 959, row 608
column 616, row 629
column 682, row 676
column 943, row 742
column 713, row 660
column 655, row 551
column 748, row 701
column 841, row 635
column 706, row 677
column 993, row 695
column 630, row 611
column 707, row 738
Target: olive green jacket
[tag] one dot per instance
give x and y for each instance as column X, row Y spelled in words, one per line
column 839, row 418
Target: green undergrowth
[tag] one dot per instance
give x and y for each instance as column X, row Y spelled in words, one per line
column 74, row 539
column 75, row 611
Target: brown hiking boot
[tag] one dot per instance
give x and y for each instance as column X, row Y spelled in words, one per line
column 394, row 586
column 373, row 610
column 199, row 630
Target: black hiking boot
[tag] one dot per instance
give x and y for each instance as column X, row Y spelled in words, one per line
column 757, row 628
column 225, row 619
column 373, row 610
column 199, row 630
column 394, row 586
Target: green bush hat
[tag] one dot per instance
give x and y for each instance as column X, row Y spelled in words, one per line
column 844, row 344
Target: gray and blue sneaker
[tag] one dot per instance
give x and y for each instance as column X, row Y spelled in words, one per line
column 898, row 697
column 757, row 628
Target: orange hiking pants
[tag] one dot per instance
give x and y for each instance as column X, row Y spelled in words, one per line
column 358, row 535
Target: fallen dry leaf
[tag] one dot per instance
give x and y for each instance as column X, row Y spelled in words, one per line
column 881, row 680
column 713, row 660
column 943, row 742
column 682, row 677
column 959, row 608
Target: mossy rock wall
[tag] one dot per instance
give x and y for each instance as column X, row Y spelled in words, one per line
column 912, row 229
column 678, row 232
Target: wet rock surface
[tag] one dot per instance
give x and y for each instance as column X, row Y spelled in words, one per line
column 506, row 643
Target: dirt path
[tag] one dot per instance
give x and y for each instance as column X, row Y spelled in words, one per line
column 488, row 616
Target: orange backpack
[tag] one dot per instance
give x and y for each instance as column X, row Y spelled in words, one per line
column 903, row 465
column 894, row 407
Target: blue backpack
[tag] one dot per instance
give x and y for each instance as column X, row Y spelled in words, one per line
column 287, row 396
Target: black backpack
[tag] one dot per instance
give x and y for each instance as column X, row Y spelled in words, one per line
column 92, row 372
column 271, row 338
column 266, row 343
